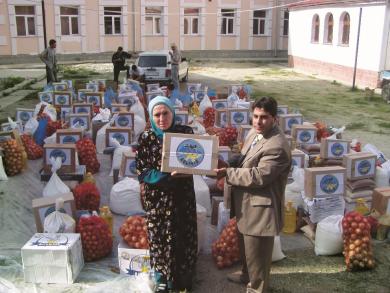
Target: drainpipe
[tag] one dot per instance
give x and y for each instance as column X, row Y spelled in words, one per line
column 44, row 23
column 133, row 17
column 357, row 49
column 277, row 27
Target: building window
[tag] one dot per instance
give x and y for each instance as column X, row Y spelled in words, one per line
column 286, row 15
column 153, row 20
column 315, row 29
column 69, row 20
column 191, row 21
column 227, row 25
column 112, row 20
column 328, row 35
column 259, row 21
column 345, row 28
column 25, row 20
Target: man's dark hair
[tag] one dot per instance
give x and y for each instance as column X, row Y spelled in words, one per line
column 268, row 104
column 134, row 67
column 120, row 48
column 52, row 41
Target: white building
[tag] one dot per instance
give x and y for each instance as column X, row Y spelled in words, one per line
column 325, row 39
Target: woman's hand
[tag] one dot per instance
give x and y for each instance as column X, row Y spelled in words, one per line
column 175, row 174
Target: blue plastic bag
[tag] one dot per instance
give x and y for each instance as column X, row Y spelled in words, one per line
column 186, row 99
column 109, row 96
column 40, row 133
column 48, row 88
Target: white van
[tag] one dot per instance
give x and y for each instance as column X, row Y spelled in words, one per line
column 157, row 66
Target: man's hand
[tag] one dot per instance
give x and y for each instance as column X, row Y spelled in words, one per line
column 175, row 174
column 220, row 172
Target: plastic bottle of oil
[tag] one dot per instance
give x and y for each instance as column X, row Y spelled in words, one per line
column 290, row 218
column 106, row 215
column 88, row 178
column 361, row 207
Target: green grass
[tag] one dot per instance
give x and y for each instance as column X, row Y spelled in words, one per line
column 10, row 82
column 384, row 124
column 69, row 72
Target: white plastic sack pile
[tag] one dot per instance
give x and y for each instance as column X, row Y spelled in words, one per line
column 101, row 138
column 125, row 197
column 49, row 110
column 329, row 236
column 232, row 100
column 201, row 216
column 103, row 115
column 31, row 126
column 293, row 190
column 223, row 217
column 58, row 222
column 202, row 193
column 382, row 177
column 55, row 186
column 204, row 104
column 197, row 127
column 118, row 154
column 3, row 175
column 51, row 139
column 277, row 253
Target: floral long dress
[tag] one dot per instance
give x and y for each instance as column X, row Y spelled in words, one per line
column 170, row 215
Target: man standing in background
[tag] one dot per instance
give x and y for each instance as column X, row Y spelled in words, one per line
column 176, row 58
column 119, row 60
column 48, row 56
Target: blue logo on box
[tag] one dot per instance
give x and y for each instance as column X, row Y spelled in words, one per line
column 305, row 136
column 190, row 153
column 60, row 87
column 82, row 110
column 58, row 154
column 61, row 100
column 24, row 116
column 292, row 121
column 80, row 121
column 178, row 120
column 123, row 121
column 329, row 184
column 133, row 167
column 119, row 137
column 238, row 117
column 69, row 139
column 337, row 149
column 138, row 264
column 93, row 100
column 364, row 167
column 220, row 105
column 46, row 98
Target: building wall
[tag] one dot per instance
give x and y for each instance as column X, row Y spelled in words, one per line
column 92, row 38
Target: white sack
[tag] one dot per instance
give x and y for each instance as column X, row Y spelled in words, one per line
column 223, row 217
column 51, row 139
column 118, row 154
column 55, row 186
column 31, row 126
column 101, row 138
column 201, row 216
column 381, row 177
column 139, row 126
column 3, row 175
column 202, row 193
column 329, row 236
column 49, row 110
column 103, row 115
column 125, row 197
column 138, row 109
column 204, row 104
column 277, row 253
column 58, row 222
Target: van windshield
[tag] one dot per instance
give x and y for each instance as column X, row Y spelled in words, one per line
column 152, row 61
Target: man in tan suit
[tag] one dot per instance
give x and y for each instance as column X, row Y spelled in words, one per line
column 258, row 180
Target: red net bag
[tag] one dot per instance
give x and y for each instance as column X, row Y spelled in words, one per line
column 86, row 196
column 87, row 155
column 134, row 232
column 34, row 151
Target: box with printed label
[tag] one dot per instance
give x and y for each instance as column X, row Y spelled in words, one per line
column 151, row 95
column 238, row 116
column 60, row 86
column 297, row 158
column 62, row 99
column 23, row 115
column 95, row 98
column 282, row 109
column 128, row 165
column 151, row 87
column 381, row 200
column 55, row 258
column 221, row 118
column 304, row 134
column 334, row 148
column 181, row 117
column 220, row 104
column 83, row 108
column 116, row 108
column 286, row 121
column 128, row 98
column 324, row 181
column 124, row 120
column 243, row 131
column 67, row 152
column 360, row 165
column 9, row 127
column 122, row 135
column 80, row 120
column 46, row 97
column 94, row 87
column 133, row 261
column 81, row 95
column 68, row 135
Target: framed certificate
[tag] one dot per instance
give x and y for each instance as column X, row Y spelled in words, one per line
column 189, row 154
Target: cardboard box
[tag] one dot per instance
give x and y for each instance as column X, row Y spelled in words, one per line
column 46, row 97
column 304, row 134
column 81, row 95
column 95, row 98
column 297, row 158
column 64, row 136
column 128, row 165
column 60, row 86
column 189, row 153
column 52, row 258
column 215, row 200
column 94, row 87
column 181, row 117
column 360, row 165
column 227, row 195
column 122, row 135
column 65, row 112
column 133, row 261
column 8, row 127
column 334, row 148
column 286, row 121
column 239, row 90
column 151, row 95
column 282, row 109
column 243, row 131
column 193, row 87
column 152, row 87
column 68, row 82
column 290, row 141
column 24, row 115
column 220, row 104
column 45, row 205
column 380, row 200
column 83, row 108
column 324, row 181
column 128, row 98
column 221, row 118
column 83, row 120
column 125, row 120
column 116, row 108
column 238, row 116
column 66, row 151
column 62, row 99
column 320, row 208
column 224, row 153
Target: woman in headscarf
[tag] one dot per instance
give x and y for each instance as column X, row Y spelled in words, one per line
column 169, row 201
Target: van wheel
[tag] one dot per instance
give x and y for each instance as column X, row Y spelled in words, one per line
column 185, row 78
